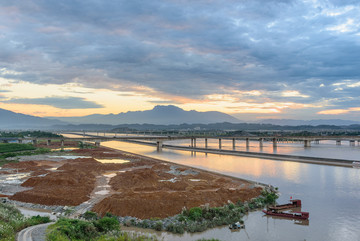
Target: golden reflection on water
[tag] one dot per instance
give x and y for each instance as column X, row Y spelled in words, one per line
column 249, row 166
column 117, row 161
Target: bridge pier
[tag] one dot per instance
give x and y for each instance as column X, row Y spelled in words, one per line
column 97, row 143
column 194, row 142
column 338, row 142
column 261, row 142
column 206, row 143
column 159, row 145
column 247, row 143
column 48, row 142
column 274, row 142
column 317, row 141
column 220, row 143
column 352, row 142
column 307, row 143
column 62, row 142
column 233, row 143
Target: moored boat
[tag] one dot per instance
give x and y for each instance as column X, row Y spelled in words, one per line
column 293, row 215
column 293, row 204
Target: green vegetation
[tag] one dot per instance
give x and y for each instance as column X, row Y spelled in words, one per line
column 12, row 221
column 83, row 145
column 14, row 147
column 22, row 134
column 98, row 229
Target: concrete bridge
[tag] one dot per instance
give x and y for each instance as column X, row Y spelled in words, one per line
column 159, row 140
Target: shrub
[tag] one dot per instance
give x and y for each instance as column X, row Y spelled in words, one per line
column 107, row 224
column 88, row 215
column 195, row 213
column 158, row 226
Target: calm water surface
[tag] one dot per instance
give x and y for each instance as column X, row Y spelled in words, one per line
column 331, row 194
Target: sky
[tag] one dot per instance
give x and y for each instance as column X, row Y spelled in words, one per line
column 253, row 59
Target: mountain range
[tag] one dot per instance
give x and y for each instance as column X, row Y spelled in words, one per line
column 12, row 120
column 159, row 115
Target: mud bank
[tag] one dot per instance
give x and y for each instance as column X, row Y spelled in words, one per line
column 142, row 187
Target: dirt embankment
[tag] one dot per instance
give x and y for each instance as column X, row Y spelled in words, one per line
column 143, row 187
column 163, row 191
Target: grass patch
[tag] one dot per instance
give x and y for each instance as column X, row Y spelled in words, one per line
column 34, row 151
column 12, row 221
column 15, row 147
column 98, row 229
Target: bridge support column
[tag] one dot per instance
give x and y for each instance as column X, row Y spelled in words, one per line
column 233, row 142
column 48, row 142
column 159, row 146
column 338, row 142
column 247, row 143
column 219, row 143
column 261, row 142
column 194, row 142
column 191, row 142
column 274, row 143
column 97, row 143
column 62, row 143
column 307, row 143
column 317, row 141
column 206, row 143
column 352, row 142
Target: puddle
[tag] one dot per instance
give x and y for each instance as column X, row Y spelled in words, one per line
column 117, row 161
column 170, row 180
column 69, row 157
column 195, row 180
column 102, row 192
column 14, row 178
column 65, row 149
column 33, row 212
column 110, row 175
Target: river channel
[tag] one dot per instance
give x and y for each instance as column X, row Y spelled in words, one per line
column 331, row 194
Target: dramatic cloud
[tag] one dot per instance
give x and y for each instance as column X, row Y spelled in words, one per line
column 58, row 102
column 304, row 51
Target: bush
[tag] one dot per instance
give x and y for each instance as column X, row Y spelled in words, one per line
column 88, row 215
column 107, row 224
column 195, row 213
column 158, row 226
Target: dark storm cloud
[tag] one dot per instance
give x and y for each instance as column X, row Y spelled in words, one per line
column 58, row 102
column 185, row 48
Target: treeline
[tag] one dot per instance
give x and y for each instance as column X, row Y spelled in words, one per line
column 225, row 126
column 23, row 134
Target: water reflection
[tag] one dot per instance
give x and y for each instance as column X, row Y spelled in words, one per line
column 330, row 194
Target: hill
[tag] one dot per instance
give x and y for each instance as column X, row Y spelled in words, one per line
column 12, row 120
column 159, row 115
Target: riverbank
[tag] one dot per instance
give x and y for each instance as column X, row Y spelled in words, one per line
column 139, row 186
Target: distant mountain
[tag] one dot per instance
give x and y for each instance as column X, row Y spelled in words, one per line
column 291, row 122
column 160, row 115
column 12, row 120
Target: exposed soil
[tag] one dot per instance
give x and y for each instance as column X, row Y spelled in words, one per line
column 143, row 188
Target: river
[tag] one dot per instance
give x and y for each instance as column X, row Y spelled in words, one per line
column 331, row 194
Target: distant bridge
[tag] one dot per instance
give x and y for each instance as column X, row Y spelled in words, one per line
column 97, row 139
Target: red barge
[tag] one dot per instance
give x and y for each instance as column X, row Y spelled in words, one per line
column 294, row 215
column 293, row 204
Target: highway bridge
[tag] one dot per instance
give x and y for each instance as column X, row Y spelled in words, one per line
column 97, row 139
